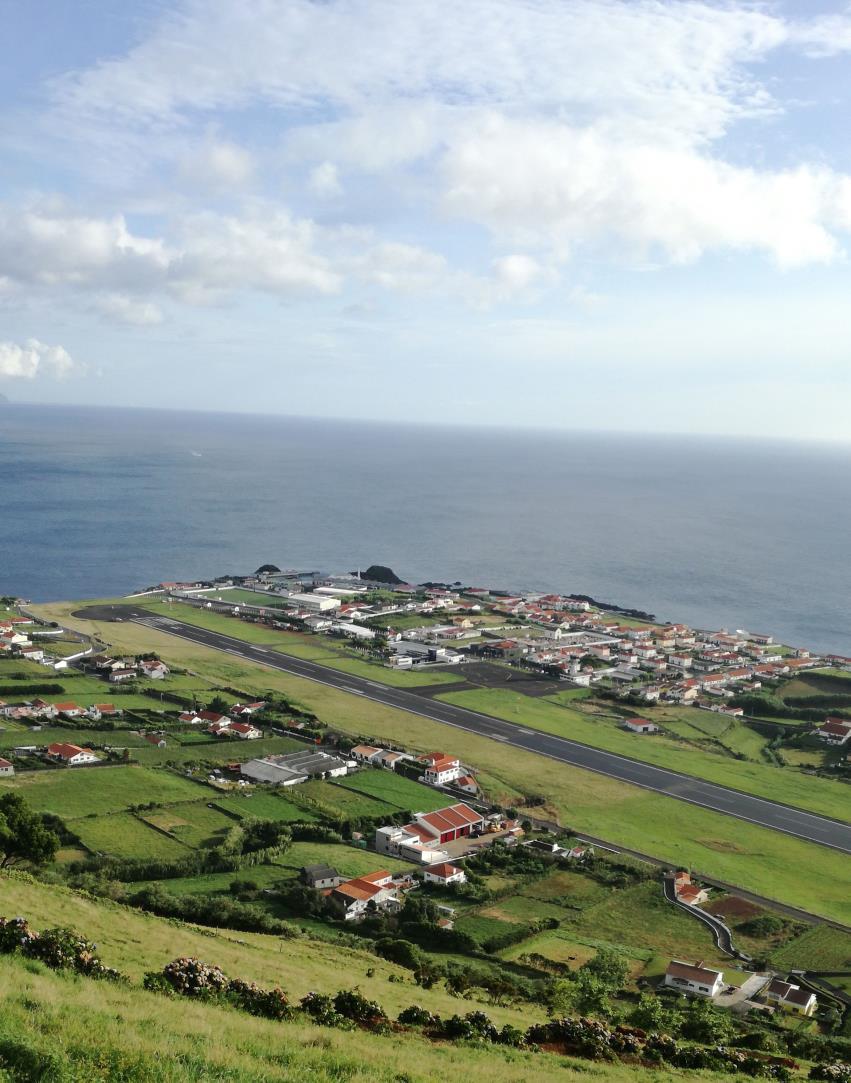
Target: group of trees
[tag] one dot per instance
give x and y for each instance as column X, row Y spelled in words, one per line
column 25, row 837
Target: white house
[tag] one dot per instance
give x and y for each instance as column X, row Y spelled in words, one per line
column 695, row 979
column 640, row 725
column 71, row 755
column 441, row 769
column 7, row 769
column 155, row 669
column 444, row 874
column 365, row 753
column 835, row 731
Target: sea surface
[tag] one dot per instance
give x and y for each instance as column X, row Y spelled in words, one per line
column 716, row 532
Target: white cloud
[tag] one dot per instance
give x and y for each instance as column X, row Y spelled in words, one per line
column 517, row 271
column 216, row 164
column 209, row 255
column 127, row 310
column 33, row 357
column 559, row 187
column 324, row 181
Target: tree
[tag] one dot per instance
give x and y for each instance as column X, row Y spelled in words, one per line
column 703, row 1022
column 23, row 834
column 651, row 1014
column 219, row 704
column 609, row 966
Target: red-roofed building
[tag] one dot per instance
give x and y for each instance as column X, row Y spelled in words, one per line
column 7, row 769
column 835, row 731
column 71, row 755
column 444, row 874
column 442, row 769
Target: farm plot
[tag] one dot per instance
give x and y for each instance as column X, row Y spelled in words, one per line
column 122, row 835
column 819, row 948
column 264, row 806
column 338, row 803
column 396, row 790
column 74, row 792
column 195, row 824
column 347, row 860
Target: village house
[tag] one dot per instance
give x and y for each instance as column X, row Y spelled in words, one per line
column 444, row 874
column 118, row 676
column 319, row 877
column 355, row 898
column 365, row 753
column 245, row 731
column 791, row 998
column 640, row 725
column 71, row 755
column 441, row 769
column 154, row 669
column 155, row 739
column 834, row 731
column 695, row 979
column 69, row 710
column 7, row 769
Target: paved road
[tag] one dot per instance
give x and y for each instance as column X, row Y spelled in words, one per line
column 756, row 810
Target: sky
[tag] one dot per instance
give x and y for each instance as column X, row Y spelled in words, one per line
column 583, row 214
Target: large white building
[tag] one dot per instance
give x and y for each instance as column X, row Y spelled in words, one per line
column 317, row 602
column 293, row 768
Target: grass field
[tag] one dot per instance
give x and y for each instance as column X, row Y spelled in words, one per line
column 74, row 792
column 753, row 857
column 339, row 801
column 264, row 806
column 14, row 735
column 193, row 823
column 395, row 790
column 347, row 860
column 824, row 796
column 823, row 948
column 122, row 835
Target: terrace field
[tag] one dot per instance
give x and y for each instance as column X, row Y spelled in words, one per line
column 263, row 806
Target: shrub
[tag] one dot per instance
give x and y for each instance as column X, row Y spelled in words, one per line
column 472, row 1027
column 321, row 1010
column 415, row 1016
column 834, row 1073
column 15, row 933
column 353, row 1005
column 251, row 998
column 190, row 977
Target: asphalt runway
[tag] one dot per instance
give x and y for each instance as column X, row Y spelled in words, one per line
column 756, row 810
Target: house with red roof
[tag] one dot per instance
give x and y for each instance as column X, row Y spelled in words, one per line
column 444, row 874
column 834, row 731
column 355, row 898
column 640, row 725
column 7, row 769
column 71, row 755
column 441, row 769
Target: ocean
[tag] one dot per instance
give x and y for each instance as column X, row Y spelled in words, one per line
column 717, row 532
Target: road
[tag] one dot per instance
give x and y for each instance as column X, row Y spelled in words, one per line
column 756, row 810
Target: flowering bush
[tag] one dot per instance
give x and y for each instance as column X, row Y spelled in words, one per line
column 60, row 949
column 15, row 933
column 190, row 977
column 250, row 997
column 833, row 1073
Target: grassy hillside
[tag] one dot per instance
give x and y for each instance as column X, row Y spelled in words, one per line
column 72, row 1029
column 62, row 1027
